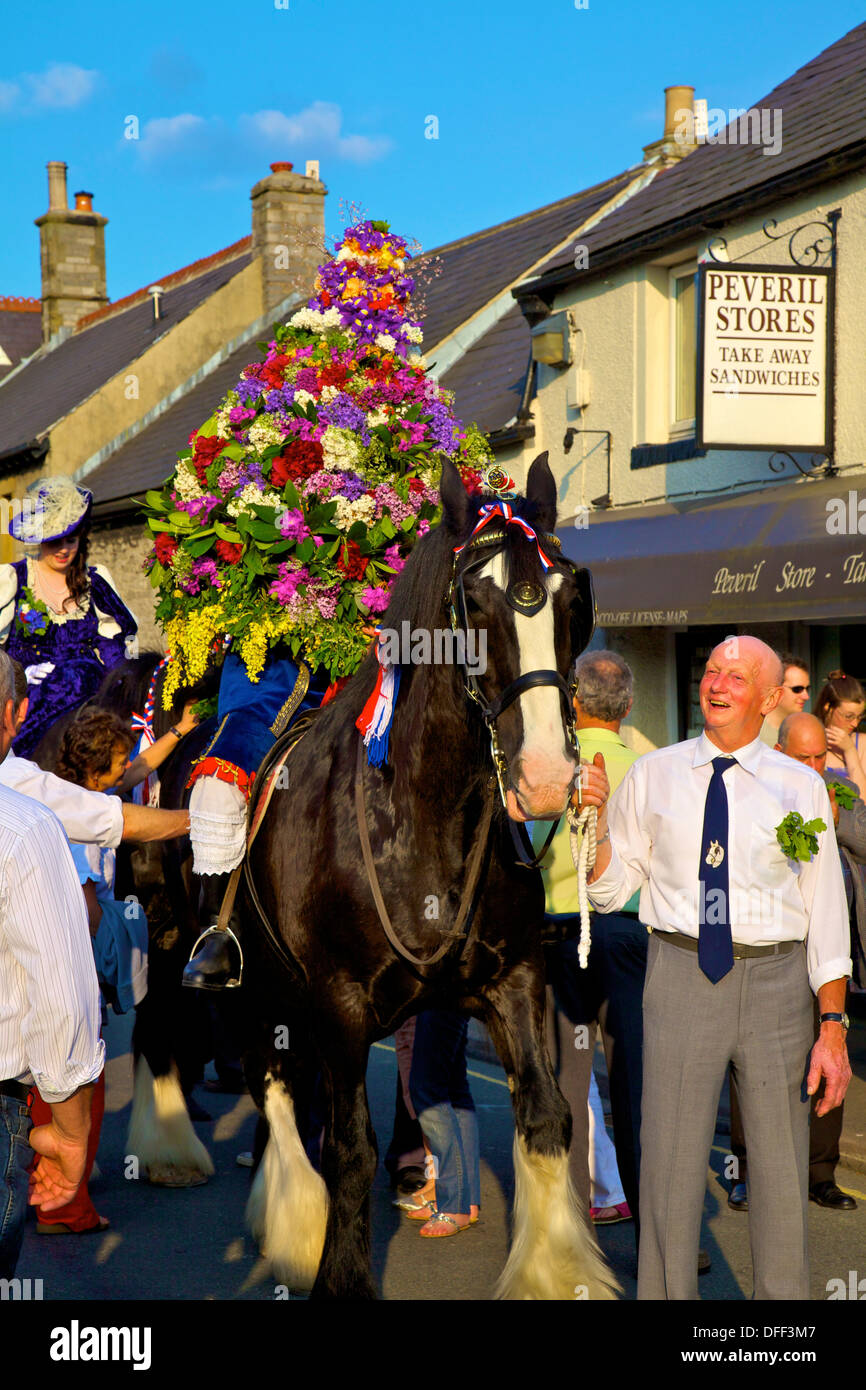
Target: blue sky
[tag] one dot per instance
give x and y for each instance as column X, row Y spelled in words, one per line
column 533, row 102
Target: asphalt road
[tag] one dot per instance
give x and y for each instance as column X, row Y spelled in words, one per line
column 167, row 1244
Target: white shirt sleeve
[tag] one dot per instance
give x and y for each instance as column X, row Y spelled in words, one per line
column 87, row 817
column 630, row 847
column 107, row 625
column 8, row 590
column 822, row 888
column 44, row 925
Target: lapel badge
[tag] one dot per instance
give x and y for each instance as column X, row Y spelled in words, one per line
column 715, row 854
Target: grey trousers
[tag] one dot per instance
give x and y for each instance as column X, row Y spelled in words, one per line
column 758, row 1019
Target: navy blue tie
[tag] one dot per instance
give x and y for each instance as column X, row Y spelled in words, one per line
column 715, row 946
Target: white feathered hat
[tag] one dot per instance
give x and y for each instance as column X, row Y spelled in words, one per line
column 53, row 508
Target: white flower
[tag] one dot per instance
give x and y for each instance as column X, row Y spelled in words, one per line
column 303, row 398
column 186, row 484
column 347, row 513
column 340, row 448
column 415, row 359
column 263, row 433
column 315, row 320
column 329, row 392
column 413, row 332
column 224, row 424
column 386, row 341
column 251, row 494
column 377, row 417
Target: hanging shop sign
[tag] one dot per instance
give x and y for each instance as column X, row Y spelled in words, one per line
column 764, row 362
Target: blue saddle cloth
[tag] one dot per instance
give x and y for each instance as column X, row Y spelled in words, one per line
column 252, row 714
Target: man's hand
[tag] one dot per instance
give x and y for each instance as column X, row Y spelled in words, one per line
column 830, row 1060
column 59, row 1169
column 591, row 785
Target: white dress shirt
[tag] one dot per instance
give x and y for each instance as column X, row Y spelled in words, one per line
column 87, row 817
column 49, row 998
column 656, row 818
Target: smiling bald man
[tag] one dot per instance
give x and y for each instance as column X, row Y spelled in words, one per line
column 741, row 937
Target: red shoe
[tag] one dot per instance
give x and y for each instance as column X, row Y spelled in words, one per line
column 609, row 1216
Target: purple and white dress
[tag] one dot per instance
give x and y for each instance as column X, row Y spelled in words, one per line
column 80, row 645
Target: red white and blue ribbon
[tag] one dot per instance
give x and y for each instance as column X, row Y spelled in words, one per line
column 377, row 716
column 142, row 724
column 490, row 512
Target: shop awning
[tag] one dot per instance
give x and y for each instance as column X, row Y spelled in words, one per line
column 771, row 556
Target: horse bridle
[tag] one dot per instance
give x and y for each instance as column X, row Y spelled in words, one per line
column 528, row 599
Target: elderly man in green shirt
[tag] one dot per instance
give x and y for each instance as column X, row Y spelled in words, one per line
column 609, row 992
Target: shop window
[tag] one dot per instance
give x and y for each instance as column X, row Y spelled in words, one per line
column 683, row 339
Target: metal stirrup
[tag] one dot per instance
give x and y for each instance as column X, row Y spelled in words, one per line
column 211, row 931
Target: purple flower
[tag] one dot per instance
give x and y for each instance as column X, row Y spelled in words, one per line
column 327, row 600
column 279, row 400
column 343, row 413
column 239, row 413
column 376, row 600
column 249, row 390
column 292, row 525
column 199, row 507
column 285, row 588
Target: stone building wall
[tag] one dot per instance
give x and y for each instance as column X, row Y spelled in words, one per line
column 122, row 550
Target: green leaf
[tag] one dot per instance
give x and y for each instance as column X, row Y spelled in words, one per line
column 306, row 550
column 357, row 531
column 290, row 492
column 254, row 562
column 200, row 544
column 845, row 795
column 156, row 501
column 387, row 527
column 227, row 533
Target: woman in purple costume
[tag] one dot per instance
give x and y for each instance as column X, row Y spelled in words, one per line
column 62, row 619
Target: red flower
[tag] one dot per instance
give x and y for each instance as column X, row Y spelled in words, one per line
column 416, row 485
column 272, row 373
column 165, row 546
column 205, row 449
column 334, row 374
column 301, row 459
column 229, row 551
column 351, row 562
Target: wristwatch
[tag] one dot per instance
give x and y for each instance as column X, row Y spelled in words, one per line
column 836, row 1018
column 177, row 733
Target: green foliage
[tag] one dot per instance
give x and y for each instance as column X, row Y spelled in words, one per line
column 799, row 838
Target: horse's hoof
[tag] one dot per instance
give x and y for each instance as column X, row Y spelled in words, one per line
column 170, row 1175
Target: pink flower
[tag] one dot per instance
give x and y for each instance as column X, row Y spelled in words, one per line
column 394, row 558
column 376, row 600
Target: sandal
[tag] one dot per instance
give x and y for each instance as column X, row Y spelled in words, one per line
column 60, row 1228
column 439, row 1218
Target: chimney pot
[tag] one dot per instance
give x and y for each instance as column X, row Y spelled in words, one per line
column 282, row 166
column 677, row 100
column 83, row 201
column 56, row 185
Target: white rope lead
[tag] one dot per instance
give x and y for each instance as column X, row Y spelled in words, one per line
column 584, row 861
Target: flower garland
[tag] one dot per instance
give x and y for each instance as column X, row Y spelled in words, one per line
column 296, row 504
column 32, row 617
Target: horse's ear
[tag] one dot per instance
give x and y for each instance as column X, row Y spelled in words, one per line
column 541, row 491
column 455, row 499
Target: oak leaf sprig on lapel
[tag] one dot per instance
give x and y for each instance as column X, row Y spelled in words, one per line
column 799, row 838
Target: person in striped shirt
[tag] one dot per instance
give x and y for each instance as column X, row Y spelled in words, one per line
column 49, row 1007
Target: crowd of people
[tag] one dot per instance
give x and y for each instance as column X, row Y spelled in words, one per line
column 690, row 977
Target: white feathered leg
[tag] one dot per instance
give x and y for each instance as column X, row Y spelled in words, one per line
column 553, row 1252
column 288, row 1206
column 161, row 1136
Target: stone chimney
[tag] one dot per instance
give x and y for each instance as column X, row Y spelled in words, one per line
column 678, row 139
column 288, row 231
column 72, row 244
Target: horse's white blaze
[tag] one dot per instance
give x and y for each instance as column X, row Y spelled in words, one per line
column 288, row 1205
column 553, row 1252
column 545, row 773
column 161, row 1135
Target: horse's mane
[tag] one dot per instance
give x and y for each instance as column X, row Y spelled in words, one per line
column 124, row 688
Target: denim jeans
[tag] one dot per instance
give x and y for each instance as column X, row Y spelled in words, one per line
column 16, row 1157
column 443, row 1102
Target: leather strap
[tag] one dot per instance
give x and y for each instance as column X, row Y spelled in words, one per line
column 478, row 856
column 524, row 847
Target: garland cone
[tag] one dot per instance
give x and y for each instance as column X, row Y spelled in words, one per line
column 296, row 504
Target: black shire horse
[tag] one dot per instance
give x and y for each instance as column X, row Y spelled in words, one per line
column 327, row 978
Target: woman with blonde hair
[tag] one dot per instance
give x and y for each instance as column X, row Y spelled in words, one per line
column 840, row 707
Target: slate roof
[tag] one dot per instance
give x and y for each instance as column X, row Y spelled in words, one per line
column 476, row 268
column 150, row 457
column 489, row 380
column 823, row 133
column 20, row 331
column 46, row 389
